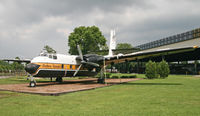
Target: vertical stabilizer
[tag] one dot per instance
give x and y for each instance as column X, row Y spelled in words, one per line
column 112, row 42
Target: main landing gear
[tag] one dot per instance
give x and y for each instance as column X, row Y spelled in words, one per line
column 59, row 79
column 102, row 77
column 101, row 80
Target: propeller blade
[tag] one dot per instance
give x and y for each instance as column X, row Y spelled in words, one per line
column 90, row 63
column 80, row 52
column 77, row 70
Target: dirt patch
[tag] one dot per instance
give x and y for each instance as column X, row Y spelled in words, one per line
column 198, row 76
column 54, row 88
column 3, row 77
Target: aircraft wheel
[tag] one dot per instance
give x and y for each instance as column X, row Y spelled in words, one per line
column 59, row 79
column 101, row 80
column 32, row 84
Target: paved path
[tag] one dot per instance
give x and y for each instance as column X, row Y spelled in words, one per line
column 54, row 88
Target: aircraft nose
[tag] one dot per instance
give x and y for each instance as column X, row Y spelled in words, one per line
column 31, row 68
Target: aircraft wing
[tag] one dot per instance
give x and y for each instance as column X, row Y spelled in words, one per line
column 169, row 54
column 17, row 60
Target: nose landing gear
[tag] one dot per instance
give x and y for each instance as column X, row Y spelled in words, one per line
column 32, row 82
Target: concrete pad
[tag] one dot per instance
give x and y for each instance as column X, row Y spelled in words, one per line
column 68, row 86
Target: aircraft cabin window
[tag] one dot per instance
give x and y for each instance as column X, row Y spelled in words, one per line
column 54, row 57
column 50, row 56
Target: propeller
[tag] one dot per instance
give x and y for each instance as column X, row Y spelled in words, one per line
column 80, row 52
column 77, row 70
column 81, row 56
column 84, row 62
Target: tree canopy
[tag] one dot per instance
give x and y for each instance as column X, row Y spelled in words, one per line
column 124, row 46
column 151, row 70
column 4, row 66
column 49, row 49
column 163, row 69
column 88, row 38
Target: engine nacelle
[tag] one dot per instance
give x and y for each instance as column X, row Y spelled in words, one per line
column 93, row 58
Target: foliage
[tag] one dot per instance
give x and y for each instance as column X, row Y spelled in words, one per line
column 118, row 75
column 184, row 62
column 4, row 66
column 126, row 66
column 49, row 49
column 17, row 66
column 88, row 38
column 17, row 58
column 137, row 98
column 163, row 69
column 124, row 46
column 151, row 70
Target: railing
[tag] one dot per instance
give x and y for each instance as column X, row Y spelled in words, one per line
column 193, row 34
column 13, row 73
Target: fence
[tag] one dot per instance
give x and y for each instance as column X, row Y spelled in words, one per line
column 13, row 73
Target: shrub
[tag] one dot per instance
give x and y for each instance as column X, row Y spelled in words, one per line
column 124, row 76
column 151, row 70
column 108, row 75
column 115, row 76
column 132, row 76
column 163, row 69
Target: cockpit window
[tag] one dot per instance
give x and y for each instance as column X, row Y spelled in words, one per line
column 43, row 54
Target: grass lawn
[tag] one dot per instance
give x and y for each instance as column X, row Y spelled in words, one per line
column 176, row 95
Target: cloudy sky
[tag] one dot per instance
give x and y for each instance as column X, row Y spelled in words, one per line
column 27, row 25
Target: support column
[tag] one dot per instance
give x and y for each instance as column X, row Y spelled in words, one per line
column 195, row 67
column 112, row 66
column 138, row 66
column 102, row 77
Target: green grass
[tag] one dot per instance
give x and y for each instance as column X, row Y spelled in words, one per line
column 176, row 95
column 119, row 75
column 13, row 80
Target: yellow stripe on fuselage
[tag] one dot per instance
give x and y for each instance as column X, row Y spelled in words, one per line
column 57, row 66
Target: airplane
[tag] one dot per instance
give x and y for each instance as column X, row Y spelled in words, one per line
column 60, row 65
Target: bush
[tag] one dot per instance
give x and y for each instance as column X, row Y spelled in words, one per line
column 115, row 77
column 132, row 76
column 108, row 75
column 151, row 70
column 124, row 76
column 163, row 69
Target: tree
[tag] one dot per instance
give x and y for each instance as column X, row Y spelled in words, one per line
column 16, row 66
column 124, row 46
column 49, row 49
column 151, row 70
column 88, row 38
column 17, row 58
column 163, row 69
column 126, row 66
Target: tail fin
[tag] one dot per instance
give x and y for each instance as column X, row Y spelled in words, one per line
column 112, row 42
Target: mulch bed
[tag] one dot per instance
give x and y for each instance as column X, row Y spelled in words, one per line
column 67, row 86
